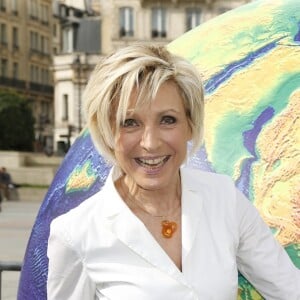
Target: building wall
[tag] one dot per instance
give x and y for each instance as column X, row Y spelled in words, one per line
column 139, row 14
column 175, row 14
column 69, row 85
column 26, row 58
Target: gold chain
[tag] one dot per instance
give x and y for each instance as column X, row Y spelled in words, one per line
column 168, row 228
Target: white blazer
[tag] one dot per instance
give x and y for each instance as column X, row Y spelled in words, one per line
column 101, row 250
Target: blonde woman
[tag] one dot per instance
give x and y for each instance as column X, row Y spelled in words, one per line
column 157, row 230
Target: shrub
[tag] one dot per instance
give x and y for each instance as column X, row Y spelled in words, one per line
column 16, row 122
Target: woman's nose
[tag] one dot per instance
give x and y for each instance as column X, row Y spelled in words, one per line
column 150, row 139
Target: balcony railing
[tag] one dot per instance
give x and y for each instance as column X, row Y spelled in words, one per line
column 176, row 2
column 11, row 82
column 37, row 87
column 25, row 86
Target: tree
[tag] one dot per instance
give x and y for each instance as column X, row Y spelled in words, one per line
column 16, row 122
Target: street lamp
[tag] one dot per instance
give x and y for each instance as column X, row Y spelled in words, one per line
column 77, row 65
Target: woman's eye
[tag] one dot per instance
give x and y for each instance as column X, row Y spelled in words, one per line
column 168, row 120
column 129, row 123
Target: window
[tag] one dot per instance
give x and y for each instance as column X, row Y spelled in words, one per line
column 15, row 70
column 33, row 9
column 63, row 11
column 193, row 18
column 3, row 5
column 34, row 73
column 158, row 22
column 4, row 67
column 3, row 34
column 126, row 21
column 47, row 77
column 54, row 30
column 44, row 45
column 65, row 108
column 67, row 41
column 31, row 73
column 14, row 6
column 15, row 38
column 34, row 41
column 44, row 76
column 45, row 110
column 44, row 14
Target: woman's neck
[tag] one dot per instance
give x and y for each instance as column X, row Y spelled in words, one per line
column 155, row 202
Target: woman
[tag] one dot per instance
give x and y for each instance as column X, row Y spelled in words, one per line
column 157, row 230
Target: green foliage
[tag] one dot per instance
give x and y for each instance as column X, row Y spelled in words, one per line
column 16, row 122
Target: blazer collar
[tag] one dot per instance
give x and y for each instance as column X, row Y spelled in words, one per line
column 133, row 233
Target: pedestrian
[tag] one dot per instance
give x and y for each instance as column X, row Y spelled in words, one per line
column 1, row 190
column 158, row 230
column 5, row 183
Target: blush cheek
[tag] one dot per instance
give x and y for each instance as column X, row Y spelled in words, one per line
column 176, row 140
column 127, row 142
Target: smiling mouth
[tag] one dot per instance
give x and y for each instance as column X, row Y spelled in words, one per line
column 153, row 162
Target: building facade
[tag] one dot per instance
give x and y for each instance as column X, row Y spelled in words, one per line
column 79, row 49
column 26, row 59
column 154, row 21
column 120, row 23
column 49, row 47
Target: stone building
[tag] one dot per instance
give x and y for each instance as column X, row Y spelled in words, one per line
column 154, row 21
column 49, row 47
column 26, row 58
column 80, row 47
column 113, row 24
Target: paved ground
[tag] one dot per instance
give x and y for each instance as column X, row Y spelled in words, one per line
column 16, row 221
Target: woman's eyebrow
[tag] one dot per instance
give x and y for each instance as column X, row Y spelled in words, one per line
column 131, row 111
column 171, row 110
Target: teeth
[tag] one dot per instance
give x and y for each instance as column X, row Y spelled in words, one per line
column 154, row 161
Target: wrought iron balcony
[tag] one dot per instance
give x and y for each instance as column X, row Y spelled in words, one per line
column 176, row 2
column 12, row 82
column 26, row 86
column 37, row 87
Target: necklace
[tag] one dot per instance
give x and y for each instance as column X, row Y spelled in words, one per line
column 168, row 227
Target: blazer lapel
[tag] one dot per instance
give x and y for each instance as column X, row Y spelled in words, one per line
column 191, row 213
column 132, row 232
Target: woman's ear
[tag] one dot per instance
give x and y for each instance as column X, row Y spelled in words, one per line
column 190, row 129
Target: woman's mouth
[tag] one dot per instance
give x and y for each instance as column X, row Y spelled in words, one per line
column 152, row 163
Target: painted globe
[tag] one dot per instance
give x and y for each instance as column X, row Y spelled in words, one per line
column 250, row 62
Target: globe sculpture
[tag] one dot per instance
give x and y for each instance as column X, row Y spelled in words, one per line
column 250, row 62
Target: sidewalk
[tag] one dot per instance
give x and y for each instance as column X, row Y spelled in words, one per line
column 16, row 221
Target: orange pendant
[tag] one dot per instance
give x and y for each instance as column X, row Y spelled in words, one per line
column 168, row 228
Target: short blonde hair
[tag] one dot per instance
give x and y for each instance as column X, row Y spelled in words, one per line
column 143, row 68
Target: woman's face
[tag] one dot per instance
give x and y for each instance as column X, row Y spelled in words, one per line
column 152, row 142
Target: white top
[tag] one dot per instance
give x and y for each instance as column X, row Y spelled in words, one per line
column 101, row 250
